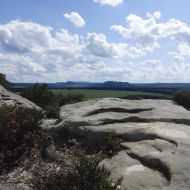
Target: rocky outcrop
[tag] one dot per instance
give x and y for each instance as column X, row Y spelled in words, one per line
column 10, row 181
column 155, row 148
column 10, row 98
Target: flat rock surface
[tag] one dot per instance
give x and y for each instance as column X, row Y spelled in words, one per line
column 10, row 98
column 155, row 150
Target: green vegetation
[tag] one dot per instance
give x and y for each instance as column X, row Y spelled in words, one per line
column 23, row 143
column 69, row 98
column 20, row 135
column 182, row 98
column 3, row 81
column 94, row 94
column 50, row 102
column 148, row 96
column 39, row 94
column 82, row 173
column 106, row 142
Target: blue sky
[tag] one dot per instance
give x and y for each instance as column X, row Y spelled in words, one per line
column 95, row 40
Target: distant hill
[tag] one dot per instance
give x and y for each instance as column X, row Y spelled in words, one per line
column 164, row 88
column 71, row 84
column 111, row 85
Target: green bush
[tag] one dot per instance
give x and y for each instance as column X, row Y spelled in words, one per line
column 182, row 98
column 39, row 94
column 52, row 110
column 50, row 102
column 3, row 81
column 83, row 173
column 20, row 134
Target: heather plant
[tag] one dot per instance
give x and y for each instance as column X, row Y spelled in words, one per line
column 108, row 143
column 111, row 144
column 52, row 110
column 20, row 134
column 81, row 172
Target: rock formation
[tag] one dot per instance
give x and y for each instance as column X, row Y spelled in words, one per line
column 155, row 148
column 10, row 98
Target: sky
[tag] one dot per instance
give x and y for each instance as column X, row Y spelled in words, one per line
column 142, row 41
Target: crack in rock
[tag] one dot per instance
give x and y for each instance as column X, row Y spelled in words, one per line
column 152, row 163
column 133, row 119
column 140, row 136
column 144, row 120
column 118, row 110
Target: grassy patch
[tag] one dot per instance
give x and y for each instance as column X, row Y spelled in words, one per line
column 95, row 94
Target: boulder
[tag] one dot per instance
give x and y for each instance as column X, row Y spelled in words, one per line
column 9, row 98
column 155, row 148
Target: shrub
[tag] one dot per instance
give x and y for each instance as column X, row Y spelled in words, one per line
column 50, row 102
column 109, row 143
column 52, row 111
column 83, row 173
column 182, row 98
column 19, row 135
column 3, row 81
column 39, row 94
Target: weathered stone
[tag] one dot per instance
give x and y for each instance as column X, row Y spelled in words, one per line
column 155, row 151
column 10, row 98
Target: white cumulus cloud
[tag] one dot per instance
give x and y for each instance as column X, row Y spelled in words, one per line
column 147, row 32
column 97, row 44
column 113, row 3
column 76, row 19
column 20, row 37
column 30, row 51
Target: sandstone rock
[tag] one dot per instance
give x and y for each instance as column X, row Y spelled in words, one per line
column 155, row 151
column 10, row 98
